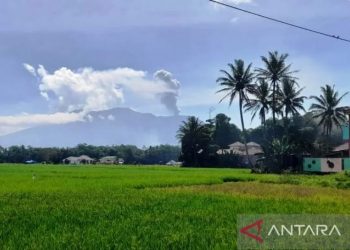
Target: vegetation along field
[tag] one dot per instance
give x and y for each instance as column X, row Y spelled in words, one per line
column 133, row 207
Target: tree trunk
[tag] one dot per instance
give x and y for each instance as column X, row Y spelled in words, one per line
column 274, row 103
column 274, row 108
column 264, row 127
column 243, row 129
column 263, row 120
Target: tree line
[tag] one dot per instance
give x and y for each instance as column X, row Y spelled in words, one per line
column 131, row 154
column 272, row 89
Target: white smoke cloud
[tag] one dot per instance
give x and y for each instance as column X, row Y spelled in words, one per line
column 87, row 89
column 169, row 98
column 14, row 123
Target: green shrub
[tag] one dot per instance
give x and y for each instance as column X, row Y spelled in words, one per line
column 325, row 184
column 236, row 179
column 289, row 179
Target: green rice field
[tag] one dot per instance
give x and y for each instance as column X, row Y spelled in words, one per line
column 150, row 207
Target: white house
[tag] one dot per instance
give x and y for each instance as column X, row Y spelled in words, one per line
column 83, row 159
column 238, row 148
column 109, row 160
column 173, row 163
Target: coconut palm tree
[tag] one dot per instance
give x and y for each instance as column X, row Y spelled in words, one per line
column 275, row 69
column 237, row 82
column 289, row 98
column 326, row 108
column 194, row 136
column 260, row 103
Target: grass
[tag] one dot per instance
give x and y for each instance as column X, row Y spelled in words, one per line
column 138, row 207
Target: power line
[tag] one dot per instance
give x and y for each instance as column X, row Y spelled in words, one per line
column 280, row 21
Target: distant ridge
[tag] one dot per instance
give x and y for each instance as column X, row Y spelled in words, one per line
column 109, row 127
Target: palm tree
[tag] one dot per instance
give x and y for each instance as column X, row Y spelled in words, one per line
column 289, row 99
column 275, row 70
column 194, row 137
column 237, row 82
column 326, row 108
column 260, row 102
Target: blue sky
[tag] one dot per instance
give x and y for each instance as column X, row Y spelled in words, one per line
column 136, row 41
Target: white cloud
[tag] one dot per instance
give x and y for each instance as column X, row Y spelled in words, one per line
column 89, row 118
column 87, row 89
column 10, row 124
column 111, row 117
column 73, row 94
column 29, row 68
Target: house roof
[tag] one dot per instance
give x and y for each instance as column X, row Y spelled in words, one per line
column 238, row 148
column 85, row 157
column 255, row 151
column 172, row 162
column 343, row 147
column 253, row 144
column 82, row 157
column 70, row 158
column 108, row 158
column 236, row 144
column 239, row 144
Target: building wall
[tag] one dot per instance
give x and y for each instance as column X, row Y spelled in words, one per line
column 312, row 164
column 324, row 165
column 346, row 162
column 331, row 165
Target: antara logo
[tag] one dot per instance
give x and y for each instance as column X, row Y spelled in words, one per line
column 258, row 225
column 289, row 230
column 304, row 230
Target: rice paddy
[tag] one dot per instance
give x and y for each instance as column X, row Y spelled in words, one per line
column 149, row 207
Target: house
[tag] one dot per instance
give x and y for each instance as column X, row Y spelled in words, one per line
column 83, row 159
column 30, row 162
column 254, row 151
column 341, row 150
column 173, row 163
column 109, row 160
column 238, row 148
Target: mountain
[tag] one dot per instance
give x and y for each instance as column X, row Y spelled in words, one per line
column 109, row 127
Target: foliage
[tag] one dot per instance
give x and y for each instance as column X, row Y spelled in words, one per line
column 195, row 137
column 327, row 110
column 289, row 99
column 160, row 154
column 130, row 154
column 260, row 103
column 224, row 132
column 275, row 70
column 275, row 153
column 237, row 83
